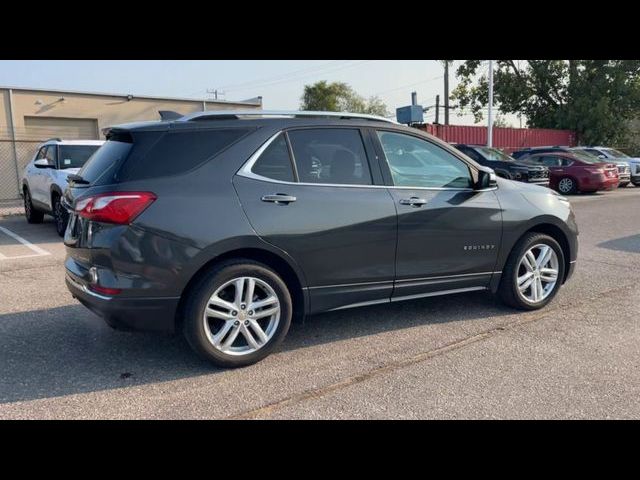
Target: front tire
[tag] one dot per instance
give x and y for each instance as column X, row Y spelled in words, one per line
column 31, row 214
column 60, row 216
column 533, row 273
column 237, row 313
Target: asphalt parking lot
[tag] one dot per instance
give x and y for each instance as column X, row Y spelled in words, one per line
column 460, row 356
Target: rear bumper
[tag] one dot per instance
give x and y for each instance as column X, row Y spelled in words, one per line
column 144, row 314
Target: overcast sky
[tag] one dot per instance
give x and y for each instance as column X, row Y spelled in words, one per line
column 279, row 82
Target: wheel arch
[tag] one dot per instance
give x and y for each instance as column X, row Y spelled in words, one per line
column 558, row 235
column 54, row 190
column 289, row 274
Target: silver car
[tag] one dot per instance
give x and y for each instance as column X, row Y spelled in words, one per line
column 45, row 177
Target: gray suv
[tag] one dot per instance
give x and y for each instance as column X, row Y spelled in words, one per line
column 226, row 225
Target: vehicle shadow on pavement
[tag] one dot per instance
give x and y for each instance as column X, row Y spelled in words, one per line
column 624, row 244
column 68, row 350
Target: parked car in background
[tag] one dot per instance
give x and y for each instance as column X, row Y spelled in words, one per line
column 622, row 165
column 45, row 178
column 504, row 165
column 628, row 167
column 224, row 225
column 572, row 172
column 525, row 152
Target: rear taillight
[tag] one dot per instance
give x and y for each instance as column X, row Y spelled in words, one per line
column 114, row 207
column 105, row 290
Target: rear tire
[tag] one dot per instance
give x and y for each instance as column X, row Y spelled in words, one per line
column 60, row 215
column 514, row 270
column 567, row 186
column 31, row 214
column 231, row 332
column 623, row 184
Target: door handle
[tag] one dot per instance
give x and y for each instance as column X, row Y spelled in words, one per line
column 413, row 201
column 279, row 198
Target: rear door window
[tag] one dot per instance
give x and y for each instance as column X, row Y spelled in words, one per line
column 75, row 156
column 551, row 161
column 330, row 156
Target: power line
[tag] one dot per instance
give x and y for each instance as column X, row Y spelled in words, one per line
column 306, row 76
column 283, row 75
column 409, row 85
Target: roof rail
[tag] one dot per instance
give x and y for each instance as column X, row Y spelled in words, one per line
column 236, row 114
column 54, row 139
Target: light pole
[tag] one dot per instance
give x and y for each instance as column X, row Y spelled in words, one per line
column 490, row 115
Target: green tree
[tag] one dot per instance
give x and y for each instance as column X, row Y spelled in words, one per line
column 339, row 97
column 596, row 98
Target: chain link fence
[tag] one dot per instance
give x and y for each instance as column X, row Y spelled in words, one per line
column 14, row 156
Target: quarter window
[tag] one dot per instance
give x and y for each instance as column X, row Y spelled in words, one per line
column 418, row 163
column 330, row 155
column 275, row 162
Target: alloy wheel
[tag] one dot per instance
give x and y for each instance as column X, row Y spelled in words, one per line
column 241, row 316
column 537, row 273
column 565, row 185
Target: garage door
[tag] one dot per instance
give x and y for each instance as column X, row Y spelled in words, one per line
column 43, row 128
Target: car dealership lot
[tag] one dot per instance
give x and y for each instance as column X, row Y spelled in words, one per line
column 461, row 356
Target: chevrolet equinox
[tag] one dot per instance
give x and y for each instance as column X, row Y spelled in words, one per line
column 226, row 225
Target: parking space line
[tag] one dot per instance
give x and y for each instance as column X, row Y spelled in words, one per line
column 39, row 252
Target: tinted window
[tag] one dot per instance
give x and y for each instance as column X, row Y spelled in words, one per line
column 41, row 153
column 330, row 155
column 75, row 156
column 471, row 153
column 565, row 162
column 179, row 152
column 275, row 162
column 493, row 154
column 100, row 167
column 550, row 161
column 418, row 163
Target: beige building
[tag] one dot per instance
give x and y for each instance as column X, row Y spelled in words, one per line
column 30, row 115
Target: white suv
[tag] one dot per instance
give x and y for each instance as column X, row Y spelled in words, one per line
column 45, row 177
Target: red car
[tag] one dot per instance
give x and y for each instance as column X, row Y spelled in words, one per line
column 576, row 171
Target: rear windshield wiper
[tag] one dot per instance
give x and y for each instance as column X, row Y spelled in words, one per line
column 77, row 179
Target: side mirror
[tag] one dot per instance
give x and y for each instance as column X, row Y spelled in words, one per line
column 42, row 163
column 486, row 179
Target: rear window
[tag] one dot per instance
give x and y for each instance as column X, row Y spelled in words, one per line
column 178, row 152
column 100, row 166
column 75, row 156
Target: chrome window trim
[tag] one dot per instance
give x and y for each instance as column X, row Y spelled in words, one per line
column 246, row 171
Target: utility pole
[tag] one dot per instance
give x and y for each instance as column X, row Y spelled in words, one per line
column 446, row 92
column 490, row 115
column 437, row 109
